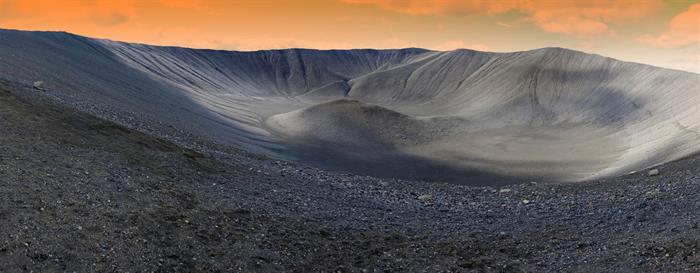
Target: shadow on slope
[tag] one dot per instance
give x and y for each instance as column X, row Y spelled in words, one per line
column 392, row 163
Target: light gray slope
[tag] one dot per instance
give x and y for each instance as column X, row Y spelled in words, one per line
column 246, row 87
column 640, row 115
column 222, row 95
column 83, row 69
column 550, row 114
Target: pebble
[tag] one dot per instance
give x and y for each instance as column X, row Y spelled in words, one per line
column 425, row 198
column 39, row 85
column 654, row 172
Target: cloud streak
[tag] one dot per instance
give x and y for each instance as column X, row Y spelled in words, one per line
column 183, row 4
column 576, row 18
column 109, row 19
column 441, row 7
column 100, row 13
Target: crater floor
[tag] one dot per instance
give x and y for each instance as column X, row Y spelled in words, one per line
column 353, row 136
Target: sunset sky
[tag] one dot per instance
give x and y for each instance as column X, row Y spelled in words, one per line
column 662, row 33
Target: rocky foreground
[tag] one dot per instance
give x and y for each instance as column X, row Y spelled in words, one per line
column 79, row 193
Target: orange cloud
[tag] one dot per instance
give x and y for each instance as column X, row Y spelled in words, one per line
column 577, row 18
column 98, row 12
column 683, row 30
column 588, row 18
column 109, row 19
column 183, row 4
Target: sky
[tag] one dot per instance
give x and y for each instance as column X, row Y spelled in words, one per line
column 664, row 33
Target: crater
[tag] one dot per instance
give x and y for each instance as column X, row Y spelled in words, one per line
column 460, row 116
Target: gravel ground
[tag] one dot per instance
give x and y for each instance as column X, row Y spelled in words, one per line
column 79, row 193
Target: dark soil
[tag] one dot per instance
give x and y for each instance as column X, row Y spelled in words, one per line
column 82, row 194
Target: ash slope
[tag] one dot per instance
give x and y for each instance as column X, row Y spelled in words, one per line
column 551, row 114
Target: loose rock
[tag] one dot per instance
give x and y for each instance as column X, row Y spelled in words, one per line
column 425, row 198
column 39, row 85
column 654, row 172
